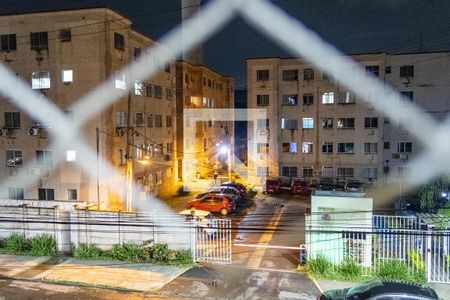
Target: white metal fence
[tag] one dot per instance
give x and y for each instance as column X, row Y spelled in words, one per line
column 213, row 242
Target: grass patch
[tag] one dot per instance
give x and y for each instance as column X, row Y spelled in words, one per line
column 84, row 251
column 319, row 266
column 128, row 252
column 17, row 243
column 349, row 270
column 43, row 245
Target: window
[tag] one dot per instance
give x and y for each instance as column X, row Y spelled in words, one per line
column 186, row 78
column 39, row 40
column 44, row 157
column 262, row 100
column 158, row 91
column 72, row 195
column 167, row 67
column 308, row 99
column 328, row 98
column 65, row 35
column 289, row 100
column 138, row 88
column 12, row 119
column 308, row 171
column 262, row 171
column 307, row 147
column 373, row 70
column 139, row 118
column 149, row 120
column 345, row 147
column 327, row 123
column 370, row 173
column 308, row 123
column 8, row 42
column 46, row 194
column 67, row 76
column 262, row 123
column 262, row 148
column 387, row 70
column 120, row 81
column 289, row 171
column 287, row 123
column 40, row 80
column 345, row 173
column 370, row 122
column 15, row 193
column 406, row 71
column 148, row 90
column 308, row 74
column 404, row 172
column 168, row 121
column 291, row 147
column 158, row 121
column 13, row 158
column 407, row 96
column 327, row 147
column 327, row 172
column 121, row 119
column 370, row 147
column 404, row 147
column 209, row 82
column 290, row 75
column 71, row 155
column 136, row 52
column 262, row 75
column 346, row 123
column 119, row 41
column 169, row 95
column 346, row 98
column 387, row 145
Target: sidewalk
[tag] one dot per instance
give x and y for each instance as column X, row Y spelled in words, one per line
column 113, row 274
column 442, row 289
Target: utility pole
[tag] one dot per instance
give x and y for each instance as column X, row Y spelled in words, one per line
column 129, row 166
column 97, row 132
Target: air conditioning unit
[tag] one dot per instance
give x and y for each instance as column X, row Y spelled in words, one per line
column 120, row 131
column 33, row 131
column 3, row 132
column 404, row 156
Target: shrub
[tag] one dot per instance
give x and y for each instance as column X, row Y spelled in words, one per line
column 160, row 252
column 319, row 265
column 349, row 270
column 184, row 257
column 43, row 245
column 2, row 242
column 394, row 269
column 17, row 244
column 84, row 251
column 415, row 257
column 128, row 252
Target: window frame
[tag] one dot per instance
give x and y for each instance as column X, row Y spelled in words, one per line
column 328, row 98
column 289, row 75
column 12, row 119
column 40, row 80
column 346, row 148
column 39, row 40
column 345, row 123
column 308, row 74
column 262, row 100
column 262, row 75
column 404, row 146
column 44, row 157
column 14, row 157
column 48, row 194
column 370, row 122
column 327, row 147
column 8, row 42
column 119, row 41
column 308, row 123
column 289, row 99
column 308, row 99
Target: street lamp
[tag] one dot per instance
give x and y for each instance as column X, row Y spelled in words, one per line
column 226, row 150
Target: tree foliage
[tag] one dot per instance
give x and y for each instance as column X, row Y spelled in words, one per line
column 431, row 193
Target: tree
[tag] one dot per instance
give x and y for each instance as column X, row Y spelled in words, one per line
column 431, row 194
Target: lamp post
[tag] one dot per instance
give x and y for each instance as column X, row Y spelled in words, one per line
column 227, row 150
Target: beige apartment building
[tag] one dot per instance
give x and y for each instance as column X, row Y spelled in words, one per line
column 198, row 87
column 317, row 128
column 64, row 55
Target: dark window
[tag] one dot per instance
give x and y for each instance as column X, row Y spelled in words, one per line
column 290, row 75
column 345, row 147
column 289, row 171
column 46, row 194
column 371, row 122
column 149, row 90
column 12, row 119
column 387, row 145
column 39, row 40
column 407, row 96
column 8, row 42
column 15, row 193
column 327, row 147
column 308, row 172
column 308, row 99
column 308, row 74
column 374, row 70
column 288, row 123
column 405, row 147
column 262, row 100
column 262, row 75
column 72, row 194
column 346, row 123
column 167, row 67
column 388, row 70
column 158, row 91
column 65, row 35
column 119, row 41
column 407, row 71
column 44, row 157
column 136, row 52
column 168, row 121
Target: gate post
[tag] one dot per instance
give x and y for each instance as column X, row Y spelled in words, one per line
column 427, row 245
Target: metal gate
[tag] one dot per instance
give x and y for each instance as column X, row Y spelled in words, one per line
column 213, row 242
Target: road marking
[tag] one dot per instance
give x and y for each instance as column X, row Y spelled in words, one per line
column 265, row 239
column 317, row 285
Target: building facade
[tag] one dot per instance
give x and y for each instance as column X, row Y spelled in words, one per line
column 64, row 55
column 318, row 128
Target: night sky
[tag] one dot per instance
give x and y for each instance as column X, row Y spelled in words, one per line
column 354, row 26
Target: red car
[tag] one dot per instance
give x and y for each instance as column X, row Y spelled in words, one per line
column 272, row 186
column 214, row 203
column 300, row 187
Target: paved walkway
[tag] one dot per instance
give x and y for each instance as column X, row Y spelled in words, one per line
column 140, row 277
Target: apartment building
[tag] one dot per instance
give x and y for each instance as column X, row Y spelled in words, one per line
column 198, row 87
column 318, row 128
column 64, row 55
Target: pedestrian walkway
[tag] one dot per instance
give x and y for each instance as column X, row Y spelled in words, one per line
column 113, row 274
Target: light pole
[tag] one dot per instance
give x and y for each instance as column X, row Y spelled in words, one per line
column 227, row 150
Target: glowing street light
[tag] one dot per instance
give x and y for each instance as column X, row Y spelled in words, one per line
column 227, row 150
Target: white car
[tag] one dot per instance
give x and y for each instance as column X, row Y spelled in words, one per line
column 204, row 220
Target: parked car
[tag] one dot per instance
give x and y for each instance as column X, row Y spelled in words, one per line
column 382, row 289
column 272, row 185
column 217, row 203
column 299, row 186
column 239, row 186
column 205, row 220
column 326, row 186
column 233, row 193
column 353, row 186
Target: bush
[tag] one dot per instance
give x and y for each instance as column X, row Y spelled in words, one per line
column 2, row 242
column 319, row 265
column 349, row 270
column 415, row 257
column 160, row 252
column 17, row 244
column 128, row 252
column 43, row 245
column 394, row 269
column 84, row 251
column 184, row 257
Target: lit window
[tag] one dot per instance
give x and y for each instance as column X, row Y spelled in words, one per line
column 308, row 123
column 67, row 76
column 120, row 81
column 40, row 80
column 328, row 98
column 71, row 155
column 289, row 100
column 138, row 88
column 13, row 158
column 327, row 123
column 307, row 147
column 291, row 147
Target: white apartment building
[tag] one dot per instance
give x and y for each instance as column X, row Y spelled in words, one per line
column 64, row 55
column 317, row 128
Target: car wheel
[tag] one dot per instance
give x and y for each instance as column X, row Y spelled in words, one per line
column 224, row 211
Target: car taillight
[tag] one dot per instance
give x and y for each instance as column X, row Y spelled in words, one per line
column 208, row 225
